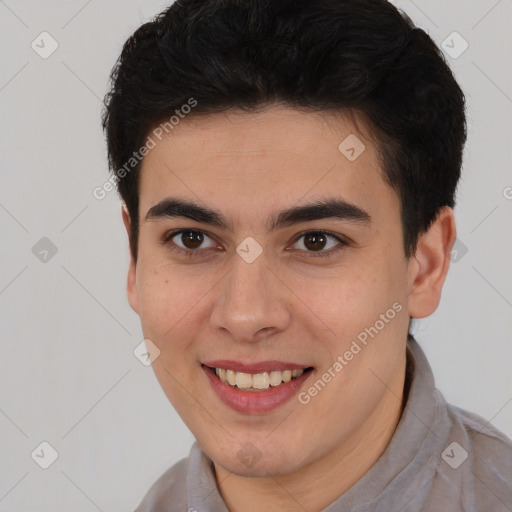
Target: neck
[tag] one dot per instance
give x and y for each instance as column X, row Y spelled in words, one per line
column 317, row 485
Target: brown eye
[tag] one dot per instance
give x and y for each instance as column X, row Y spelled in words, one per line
column 315, row 241
column 320, row 243
column 192, row 239
column 189, row 240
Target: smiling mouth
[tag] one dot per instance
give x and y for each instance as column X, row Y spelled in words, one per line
column 256, row 381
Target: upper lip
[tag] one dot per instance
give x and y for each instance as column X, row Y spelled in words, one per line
column 259, row 367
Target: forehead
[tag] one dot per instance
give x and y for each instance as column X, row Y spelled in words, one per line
column 240, row 162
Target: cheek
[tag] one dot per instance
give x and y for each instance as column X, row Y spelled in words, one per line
column 167, row 300
column 352, row 301
column 168, row 310
column 354, row 293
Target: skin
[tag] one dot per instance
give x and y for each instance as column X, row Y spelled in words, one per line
column 285, row 305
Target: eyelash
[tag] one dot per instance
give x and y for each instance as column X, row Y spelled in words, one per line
column 192, row 253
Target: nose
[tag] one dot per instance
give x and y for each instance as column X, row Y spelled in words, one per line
column 251, row 303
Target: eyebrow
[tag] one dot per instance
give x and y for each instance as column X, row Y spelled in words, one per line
column 332, row 208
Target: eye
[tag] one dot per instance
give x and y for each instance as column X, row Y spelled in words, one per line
column 318, row 241
column 188, row 241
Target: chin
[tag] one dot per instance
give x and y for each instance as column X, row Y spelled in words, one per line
column 250, row 462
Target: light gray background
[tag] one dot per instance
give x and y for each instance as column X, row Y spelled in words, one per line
column 67, row 369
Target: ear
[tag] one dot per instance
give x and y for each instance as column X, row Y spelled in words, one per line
column 131, row 285
column 429, row 265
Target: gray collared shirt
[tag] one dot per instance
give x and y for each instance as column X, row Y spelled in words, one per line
column 441, row 458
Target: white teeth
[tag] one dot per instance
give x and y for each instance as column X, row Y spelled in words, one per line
column 243, row 380
column 260, row 381
column 275, row 378
column 256, row 381
column 231, row 375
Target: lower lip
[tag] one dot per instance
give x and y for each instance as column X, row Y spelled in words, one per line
column 255, row 402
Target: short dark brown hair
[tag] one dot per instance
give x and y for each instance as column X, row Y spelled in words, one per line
column 330, row 55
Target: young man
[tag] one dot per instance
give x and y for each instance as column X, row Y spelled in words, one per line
column 288, row 171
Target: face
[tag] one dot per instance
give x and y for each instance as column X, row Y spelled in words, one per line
column 292, row 259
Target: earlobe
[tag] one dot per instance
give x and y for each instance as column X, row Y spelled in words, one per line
column 131, row 283
column 429, row 265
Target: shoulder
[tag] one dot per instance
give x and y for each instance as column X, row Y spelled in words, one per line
column 486, row 441
column 168, row 491
column 489, row 458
